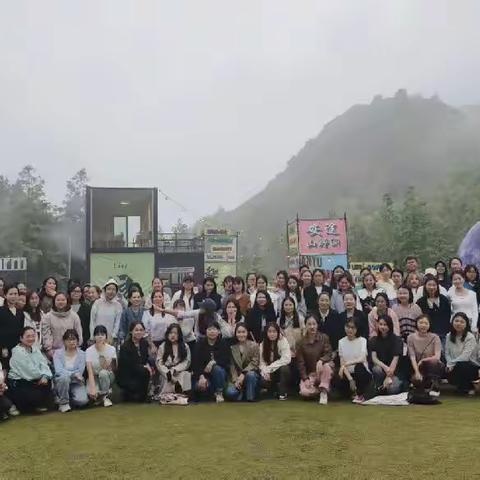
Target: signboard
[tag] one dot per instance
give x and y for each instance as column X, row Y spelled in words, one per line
column 175, row 275
column 13, row 264
column 292, row 238
column 325, row 262
column 322, row 237
column 221, row 248
column 219, row 271
column 125, row 268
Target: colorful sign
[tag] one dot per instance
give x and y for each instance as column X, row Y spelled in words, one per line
column 125, row 268
column 325, row 262
column 220, row 248
column 323, row 237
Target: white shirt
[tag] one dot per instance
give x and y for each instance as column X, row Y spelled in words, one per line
column 350, row 350
column 156, row 325
column 466, row 303
column 93, row 356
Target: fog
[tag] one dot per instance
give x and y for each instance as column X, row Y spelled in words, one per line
column 208, row 100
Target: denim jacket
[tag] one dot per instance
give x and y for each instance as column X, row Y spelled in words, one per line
column 59, row 363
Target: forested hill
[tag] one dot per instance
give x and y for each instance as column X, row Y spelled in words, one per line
column 383, row 147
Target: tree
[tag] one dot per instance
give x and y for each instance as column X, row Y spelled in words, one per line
column 74, row 203
column 180, row 227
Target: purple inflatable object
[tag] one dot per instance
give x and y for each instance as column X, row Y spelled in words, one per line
column 469, row 250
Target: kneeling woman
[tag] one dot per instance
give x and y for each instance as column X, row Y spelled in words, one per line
column 211, row 361
column 424, row 350
column 461, row 355
column 101, row 365
column 275, row 358
column 314, row 360
column 134, row 371
column 173, row 362
column 352, row 350
column 244, row 364
column 69, row 363
column 386, row 349
column 29, row 375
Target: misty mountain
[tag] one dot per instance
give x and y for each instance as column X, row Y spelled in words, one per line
column 385, row 146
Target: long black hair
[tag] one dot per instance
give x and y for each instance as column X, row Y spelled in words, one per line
column 182, row 291
column 167, row 345
column 211, row 280
column 283, row 317
column 35, row 314
column 388, row 320
column 269, row 310
column 453, row 333
column 238, row 315
column 152, row 308
column 297, row 292
column 269, row 347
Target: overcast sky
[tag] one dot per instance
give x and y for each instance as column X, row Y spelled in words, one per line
column 208, row 100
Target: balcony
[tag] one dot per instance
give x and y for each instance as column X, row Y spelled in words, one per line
column 180, row 243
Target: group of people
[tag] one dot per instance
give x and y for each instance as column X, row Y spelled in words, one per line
column 394, row 331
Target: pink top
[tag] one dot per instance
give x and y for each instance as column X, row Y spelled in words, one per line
column 373, row 318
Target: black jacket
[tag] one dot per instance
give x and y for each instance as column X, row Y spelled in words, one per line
column 256, row 321
column 131, row 362
column 203, row 353
column 361, row 318
column 84, row 315
column 10, row 328
column 311, row 296
column 331, row 326
column 439, row 316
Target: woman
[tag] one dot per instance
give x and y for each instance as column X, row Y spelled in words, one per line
column 463, row 300
column 34, row 315
column 21, row 301
column 185, row 293
column 424, row 350
column 56, row 322
column 69, row 364
column 251, row 281
column 315, row 363
column 83, row 309
column 313, row 288
column 413, row 281
column 240, row 296
column 386, row 349
column 368, row 292
column 351, row 312
column 306, row 279
column 47, row 293
column 275, row 358
column 382, row 308
column 292, row 323
column 132, row 314
column 345, row 284
column 231, row 316
column 244, row 378
column 227, row 285
column 12, row 322
column 134, row 372
column 262, row 285
column 328, row 320
column 187, row 325
column 29, row 386
column 352, row 351
column 173, row 362
column 101, row 359
column 385, row 281
column 157, row 286
column 337, row 272
column 293, row 291
column 211, row 361
column 209, row 290
column 262, row 313
column 472, row 280
column 437, row 307
column 442, row 274
column 406, row 311
column 156, row 320
column 461, row 355
column 397, row 278
column 95, row 293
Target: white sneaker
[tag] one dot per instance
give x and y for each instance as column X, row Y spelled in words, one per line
column 64, row 408
column 13, row 412
column 434, row 393
column 219, row 398
column 323, row 398
column 107, row 402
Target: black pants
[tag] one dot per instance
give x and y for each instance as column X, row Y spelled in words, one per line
column 135, row 388
column 279, row 381
column 362, row 377
column 27, row 396
column 5, row 404
column 462, row 375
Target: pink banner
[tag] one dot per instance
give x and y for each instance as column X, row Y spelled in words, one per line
column 322, row 237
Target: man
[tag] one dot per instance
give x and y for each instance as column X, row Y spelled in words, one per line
column 412, row 265
column 107, row 311
column 455, row 265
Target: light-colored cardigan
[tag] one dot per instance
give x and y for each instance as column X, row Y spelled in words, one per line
column 285, row 357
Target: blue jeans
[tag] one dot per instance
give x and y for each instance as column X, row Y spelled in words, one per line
column 70, row 391
column 217, row 379
column 249, row 390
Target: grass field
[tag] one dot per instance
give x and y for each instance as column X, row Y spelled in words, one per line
column 268, row 440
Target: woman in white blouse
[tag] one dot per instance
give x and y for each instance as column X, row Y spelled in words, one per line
column 463, row 300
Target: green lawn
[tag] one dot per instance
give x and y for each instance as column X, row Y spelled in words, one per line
column 268, row 440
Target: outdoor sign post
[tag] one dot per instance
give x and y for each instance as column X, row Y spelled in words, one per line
column 220, row 256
